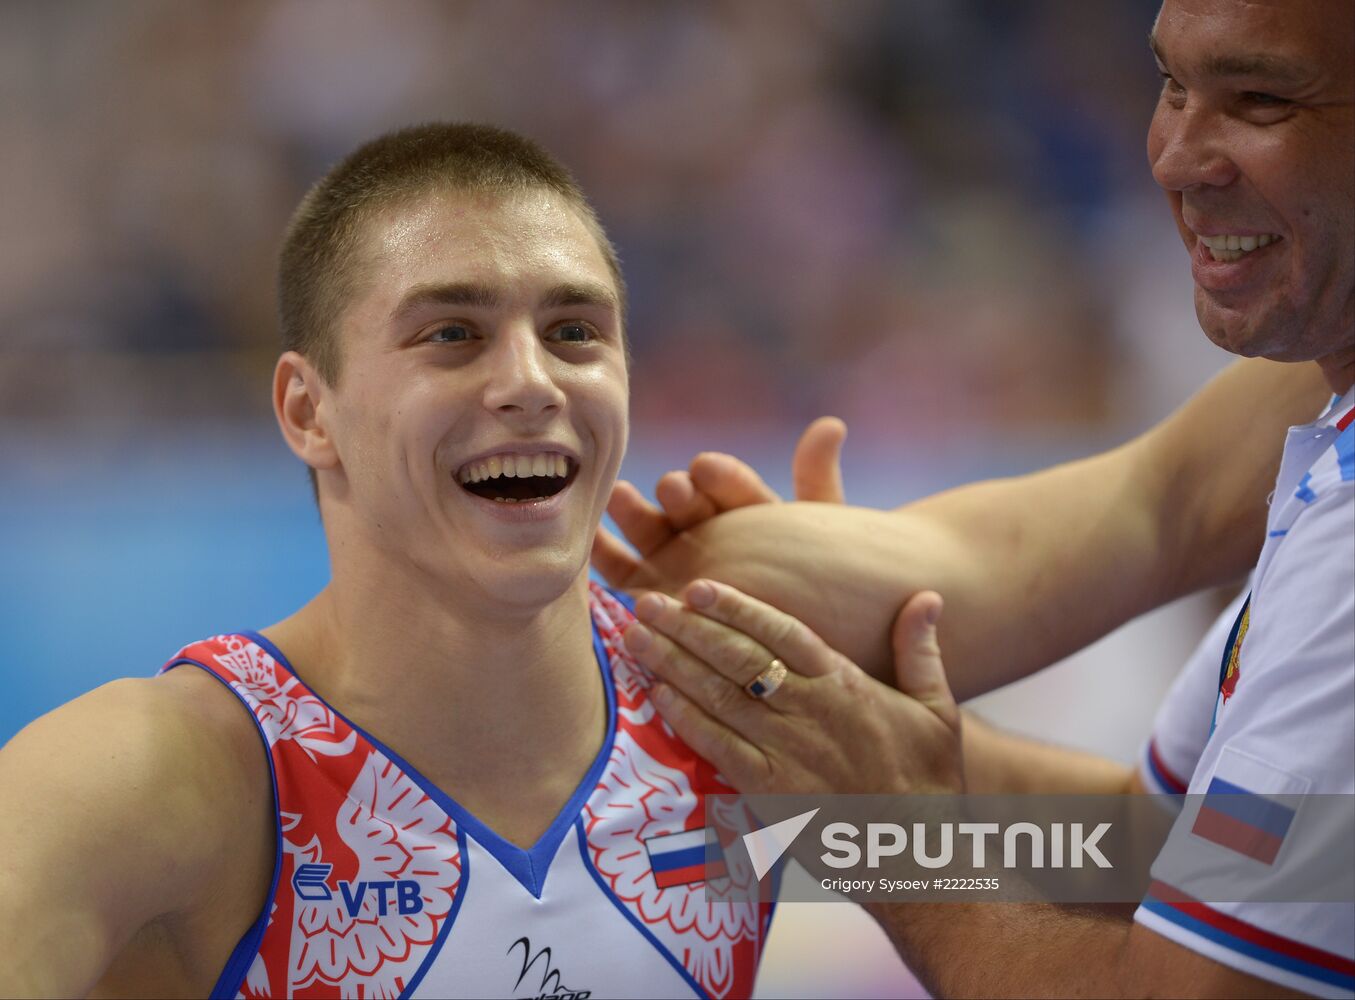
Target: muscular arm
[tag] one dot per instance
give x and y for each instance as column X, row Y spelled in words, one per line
column 1034, row 567
column 121, row 809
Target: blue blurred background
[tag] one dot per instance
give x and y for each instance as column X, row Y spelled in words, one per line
column 934, row 219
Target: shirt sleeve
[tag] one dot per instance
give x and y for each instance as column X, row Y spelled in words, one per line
column 1257, row 871
column 1181, row 727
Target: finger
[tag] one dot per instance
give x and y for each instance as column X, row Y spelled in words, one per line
column 729, row 482
column 741, row 763
column 918, row 669
column 708, row 688
column 682, row 503
column 712, row 670
column 816, row 468
column 640, row 521
column 613, row 559
column 737, row 634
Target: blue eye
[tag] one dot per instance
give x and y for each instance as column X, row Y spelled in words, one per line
column 453, row 333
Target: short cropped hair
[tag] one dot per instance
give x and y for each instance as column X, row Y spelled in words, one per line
column 318, row 267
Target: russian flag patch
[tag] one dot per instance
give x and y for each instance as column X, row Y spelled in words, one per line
column 685, row 858
column 1241, row 820
column 1248, row 806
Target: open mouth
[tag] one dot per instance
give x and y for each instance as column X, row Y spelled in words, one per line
column 513, row 478
column 1227, row 249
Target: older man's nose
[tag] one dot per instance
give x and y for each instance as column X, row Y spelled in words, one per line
column 1190, row 151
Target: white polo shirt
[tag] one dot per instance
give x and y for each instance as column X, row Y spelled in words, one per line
column 1280, row 721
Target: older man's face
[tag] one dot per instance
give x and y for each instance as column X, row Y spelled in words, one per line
column 1254, row 141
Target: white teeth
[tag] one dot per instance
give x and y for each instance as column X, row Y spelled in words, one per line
column 1233, row 247
column 514, row 466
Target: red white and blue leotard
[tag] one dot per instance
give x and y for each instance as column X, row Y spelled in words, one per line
column 385, row 887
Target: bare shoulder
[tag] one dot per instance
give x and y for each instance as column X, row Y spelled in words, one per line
column 158, row 775
column 130, row 734
column 140, row 805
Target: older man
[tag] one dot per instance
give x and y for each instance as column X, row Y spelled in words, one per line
column 1254, row 141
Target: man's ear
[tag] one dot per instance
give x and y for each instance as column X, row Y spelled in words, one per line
column 299, row 402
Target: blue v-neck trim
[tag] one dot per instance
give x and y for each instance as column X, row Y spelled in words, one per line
column 529, row 866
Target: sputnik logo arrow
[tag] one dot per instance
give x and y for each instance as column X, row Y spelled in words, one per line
column 766, row 846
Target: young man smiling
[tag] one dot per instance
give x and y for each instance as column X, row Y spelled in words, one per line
column 441, row 776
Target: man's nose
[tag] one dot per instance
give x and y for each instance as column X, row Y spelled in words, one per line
column 1190, row 150
column 521, row 378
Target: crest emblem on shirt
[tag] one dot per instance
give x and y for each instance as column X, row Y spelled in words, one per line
column 1232, row 671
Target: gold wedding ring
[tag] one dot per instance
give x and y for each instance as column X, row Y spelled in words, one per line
column 764, row 685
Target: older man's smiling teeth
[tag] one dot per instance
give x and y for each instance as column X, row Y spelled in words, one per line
column 511, row 477
column 1233, row 247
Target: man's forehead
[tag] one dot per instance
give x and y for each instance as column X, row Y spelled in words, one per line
column 1280, row 40
column 469, row 248
column 532, row 223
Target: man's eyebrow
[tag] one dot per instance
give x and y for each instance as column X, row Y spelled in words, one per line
column 1274, row 69
column 457, row 293
column 1262, row 65
column 479, row 296
column 574, row 293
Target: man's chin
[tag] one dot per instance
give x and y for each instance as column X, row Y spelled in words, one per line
column 1228, row 326
column 532, row 579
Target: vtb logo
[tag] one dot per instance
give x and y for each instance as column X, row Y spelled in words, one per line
column 311, row 882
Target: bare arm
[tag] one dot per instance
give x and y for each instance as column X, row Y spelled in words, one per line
column 1061, row 557
column 1034, row 567
column 826, row 727
column 1033, row 949
column 120, row 809
column 997, row 762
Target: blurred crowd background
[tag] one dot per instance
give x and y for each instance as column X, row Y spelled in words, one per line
column 933, row 218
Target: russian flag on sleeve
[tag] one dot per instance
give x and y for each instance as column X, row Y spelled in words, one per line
column 1243, row 821
column 680, row 858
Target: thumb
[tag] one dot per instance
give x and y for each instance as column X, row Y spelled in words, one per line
column 729, row 483
column 918, row 670
column 817, row 466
